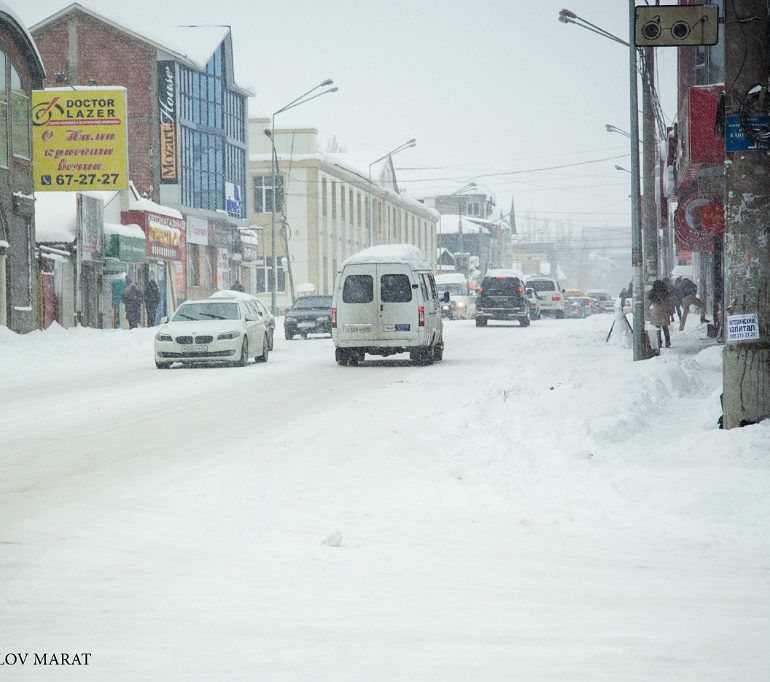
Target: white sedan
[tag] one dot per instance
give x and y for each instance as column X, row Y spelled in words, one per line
column 212, row 331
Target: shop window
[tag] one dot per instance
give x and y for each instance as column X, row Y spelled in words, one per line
column 20, row 118
column 3, row 112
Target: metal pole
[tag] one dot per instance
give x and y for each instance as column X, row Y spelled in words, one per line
column 649, row 151
column 636, row 226
column 369, row 209
column 273, row 252
column 460, row 222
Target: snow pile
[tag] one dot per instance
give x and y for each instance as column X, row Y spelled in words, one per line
column 390, row 253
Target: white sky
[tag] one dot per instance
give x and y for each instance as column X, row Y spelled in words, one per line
column 485, row 87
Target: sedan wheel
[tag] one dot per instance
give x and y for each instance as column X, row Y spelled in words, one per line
column 270, row 344
column 162, row 365
column 265, row 349
column 244, row 353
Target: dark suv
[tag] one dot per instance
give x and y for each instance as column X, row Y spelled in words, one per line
column 502, row 297
column 309, row 315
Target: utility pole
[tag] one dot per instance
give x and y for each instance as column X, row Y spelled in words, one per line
column 746, row 246
column 649, row 153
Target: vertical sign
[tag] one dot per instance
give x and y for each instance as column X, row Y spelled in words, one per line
column 91, row 228
column 79, row 139
column 167, row 120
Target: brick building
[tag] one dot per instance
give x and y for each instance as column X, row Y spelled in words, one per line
column 21, row 71
column 186, row 124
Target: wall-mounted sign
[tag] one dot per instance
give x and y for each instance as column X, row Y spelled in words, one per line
column 736, row 139
column 79, row 139
column 167, row 120
column 698, row 219
column 90, row 213
column 165, row 234
column 742, row 327
column 197, row 230
column 233, row 198
column 676, row 25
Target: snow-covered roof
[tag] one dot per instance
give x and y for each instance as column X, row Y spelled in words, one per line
column 231, row 293
column 192, row 45
column 504, row 272
column 136, row 202
column 248, row 239
column 452, row 278
column 24, row 31
column 132, row 230
column 450, row 224
column 391, row 253
column 56, row 217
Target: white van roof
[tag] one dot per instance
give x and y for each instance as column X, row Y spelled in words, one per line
column 451, row 278
column 504, row 272
column 391, row 253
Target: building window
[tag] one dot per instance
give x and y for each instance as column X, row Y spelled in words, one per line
column 3, row 112
column 473, row 208
column 20, row 118
column 264, row 278
column 263, row 193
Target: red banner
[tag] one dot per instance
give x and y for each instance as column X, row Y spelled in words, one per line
column 698, row 219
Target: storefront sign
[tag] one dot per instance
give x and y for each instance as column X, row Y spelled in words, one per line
column 197, row 230
column 164, row 233
column 221, row 236
column 125, row 249
column 249, row 250
column 167, row 119
column 698, row 219
column 79, row 139
column 90, row 214
column 742, row 327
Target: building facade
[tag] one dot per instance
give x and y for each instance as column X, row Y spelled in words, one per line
column 187, row 134
column 325, row 211
column 21, row 71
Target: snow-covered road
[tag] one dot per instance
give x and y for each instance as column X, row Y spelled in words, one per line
column 535, row 507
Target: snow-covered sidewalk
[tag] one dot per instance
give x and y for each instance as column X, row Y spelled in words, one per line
column 536, row 507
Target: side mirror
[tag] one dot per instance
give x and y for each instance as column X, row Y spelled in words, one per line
column 445, row 297
column 164, row 320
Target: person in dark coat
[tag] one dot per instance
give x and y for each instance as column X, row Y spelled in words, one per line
column 151, row 300
column 238, row 286
column 688, row 290
column 660, row 309
column 132, row 299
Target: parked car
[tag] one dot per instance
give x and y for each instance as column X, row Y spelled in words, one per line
column 308, row 315
column 211, row 331
column 550, row 293
column 604, row 298
column 460, row 305
column 572, row 308
column 257, row 306
column 534, row 304
column 386, row 302
column 501, row 296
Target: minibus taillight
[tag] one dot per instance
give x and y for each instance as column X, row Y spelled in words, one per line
column 334, row 318
column 421, row 313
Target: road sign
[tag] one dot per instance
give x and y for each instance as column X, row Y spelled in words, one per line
column 675, row 25
column 736, row 139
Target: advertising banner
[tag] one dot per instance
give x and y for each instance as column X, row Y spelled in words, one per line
column 167, row 120
column 125, row 249
column 699, row 218
column 79, row 139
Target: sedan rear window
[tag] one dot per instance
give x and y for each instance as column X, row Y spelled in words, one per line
column 313, row 302
column 542, row 285
column 501, row 286
column 395, row 289
column 358, row 289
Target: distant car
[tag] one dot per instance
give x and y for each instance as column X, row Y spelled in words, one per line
column 573, row 309
column 501, row 296
column 604, row 298
column 550, row 294
column 534, row 304
column 309, row 315
column 590, row 306
column 212, row 331
column 253, row 303
column 460, row 304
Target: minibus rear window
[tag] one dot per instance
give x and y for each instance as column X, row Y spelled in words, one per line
column 395, row 289
column 358, row 289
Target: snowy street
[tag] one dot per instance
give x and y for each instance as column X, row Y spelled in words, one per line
column 534, row 507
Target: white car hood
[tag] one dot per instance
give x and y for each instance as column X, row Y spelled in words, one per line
column 193, row 327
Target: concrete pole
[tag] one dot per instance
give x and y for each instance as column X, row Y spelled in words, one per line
column 746, row 244
column 649, row 160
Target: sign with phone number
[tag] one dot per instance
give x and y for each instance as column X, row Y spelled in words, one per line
column 79, row 139
column 742, row 327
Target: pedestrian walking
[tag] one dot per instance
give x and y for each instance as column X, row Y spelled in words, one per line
column 660, row 310
column 688, row 290
column 132, row 300
column 237, row 286
column 677, row 297
column 151, row 300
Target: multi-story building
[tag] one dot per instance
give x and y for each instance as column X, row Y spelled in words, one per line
column 325, row 211
column 187, row 134
column 21, row 71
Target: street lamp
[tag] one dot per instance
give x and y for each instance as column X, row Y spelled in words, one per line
column 406, row 145
column 568, row 17
column 614, row 129
column 302, row 99
column 620, row 168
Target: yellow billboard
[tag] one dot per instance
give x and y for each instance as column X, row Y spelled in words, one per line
column 79, row 139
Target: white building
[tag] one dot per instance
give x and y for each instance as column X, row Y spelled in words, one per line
column 323, row 211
